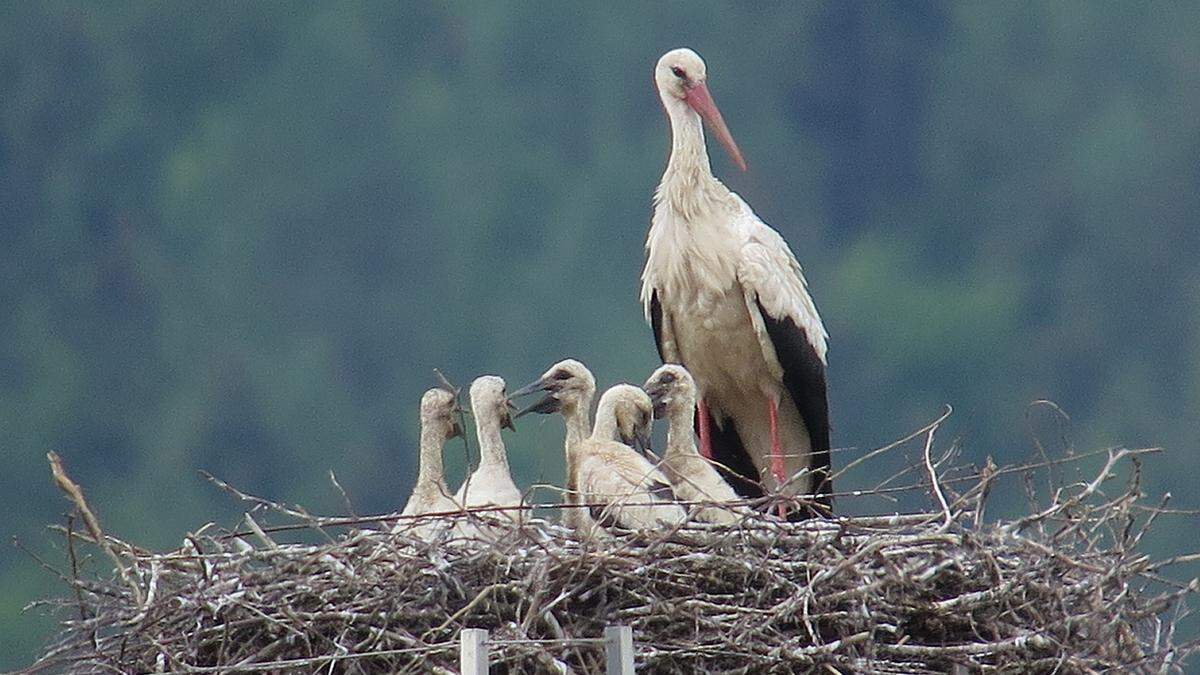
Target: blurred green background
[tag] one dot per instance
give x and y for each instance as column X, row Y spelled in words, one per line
column 239, row 236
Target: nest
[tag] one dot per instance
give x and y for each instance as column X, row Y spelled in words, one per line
column 1063, row 589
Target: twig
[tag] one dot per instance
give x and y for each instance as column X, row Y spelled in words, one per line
column 89, row 519
column 933, row 478
column 879, row 593
column 345, row 497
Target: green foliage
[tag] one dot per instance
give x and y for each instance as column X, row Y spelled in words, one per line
column 238, row 236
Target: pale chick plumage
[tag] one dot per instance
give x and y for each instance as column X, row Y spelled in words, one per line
column 693, row 478
column 569, row 388
column 718, row 281
column 620, row 486
column 430, row 495
column 491, row 483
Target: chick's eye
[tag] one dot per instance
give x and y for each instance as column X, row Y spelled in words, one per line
column 678, row 72
column 561, row 375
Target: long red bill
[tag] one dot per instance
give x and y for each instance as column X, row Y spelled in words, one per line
column 701, row 101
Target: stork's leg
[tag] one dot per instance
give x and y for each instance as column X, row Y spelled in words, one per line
column 705, row 431
column 777, row 467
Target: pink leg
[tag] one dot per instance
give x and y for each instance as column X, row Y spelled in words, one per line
column 705, row 431
column 777, row 466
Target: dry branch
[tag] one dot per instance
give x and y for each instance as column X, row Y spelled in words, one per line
column 1064, row 589
column 75, row 494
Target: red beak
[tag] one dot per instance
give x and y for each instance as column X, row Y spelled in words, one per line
column 701, row 101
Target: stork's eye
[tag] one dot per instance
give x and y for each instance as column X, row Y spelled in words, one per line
column 679, row 72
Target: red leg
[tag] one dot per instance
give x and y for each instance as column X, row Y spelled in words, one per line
column 777, row 466
column 705, row 431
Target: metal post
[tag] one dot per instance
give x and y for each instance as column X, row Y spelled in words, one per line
column 618, row 650
column 473, row 651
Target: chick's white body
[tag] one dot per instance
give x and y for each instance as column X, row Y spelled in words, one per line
column 491, row 483
column 619, row 486
column 430, row 494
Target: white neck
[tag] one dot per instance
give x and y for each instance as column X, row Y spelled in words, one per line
column 430, row 472
column 491, row 446
column 578, row 419
column 579, row 423
column 688, row 151
column 680, row 439
column 688, row 185
column 606, row 423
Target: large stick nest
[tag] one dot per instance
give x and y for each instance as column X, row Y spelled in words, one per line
column 1063, row 589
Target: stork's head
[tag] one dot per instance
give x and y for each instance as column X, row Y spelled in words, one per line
column 439, row 411
column 631, row 410
column 671, row 388
column 489, row 401
column 678, row 70
column 682, row 80
column 568, row 385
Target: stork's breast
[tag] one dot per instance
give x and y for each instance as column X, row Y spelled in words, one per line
column 717, row 344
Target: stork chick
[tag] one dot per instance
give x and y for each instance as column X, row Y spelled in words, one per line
column 491, row 483
column 430, row 494
column 620, row 487
column 569, row 389
column 693, row 478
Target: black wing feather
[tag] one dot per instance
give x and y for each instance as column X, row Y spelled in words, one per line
column 804, row 379
column 656, row 322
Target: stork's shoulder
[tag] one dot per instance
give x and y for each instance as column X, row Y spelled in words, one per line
column 770, row 271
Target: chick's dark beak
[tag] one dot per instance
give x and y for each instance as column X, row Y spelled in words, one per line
column 657, row 395
column 548, row 405
column 456, row 429
column 506, row 417
column 535, row 386
column 641, row 443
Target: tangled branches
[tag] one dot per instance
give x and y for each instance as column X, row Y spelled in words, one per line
column 1062, row 589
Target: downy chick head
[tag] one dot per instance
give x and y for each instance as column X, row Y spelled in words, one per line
column 632, row 412
column 439, row 412
column 671, row 388
column 489, row 400
column 567, row 385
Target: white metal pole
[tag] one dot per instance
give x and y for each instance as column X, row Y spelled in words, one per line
column 618, row 650
column 473, row 651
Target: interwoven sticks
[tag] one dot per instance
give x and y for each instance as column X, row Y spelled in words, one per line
column 1064, row 589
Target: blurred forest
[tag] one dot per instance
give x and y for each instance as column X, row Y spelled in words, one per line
column 239, row 236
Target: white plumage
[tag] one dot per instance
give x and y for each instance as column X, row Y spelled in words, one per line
column 491, row 483
column 693, row 478
column 620, row 486
column 569, row 389
column 430, row 494
column 728, row 300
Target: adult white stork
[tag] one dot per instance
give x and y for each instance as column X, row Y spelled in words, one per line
column 727, row 299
